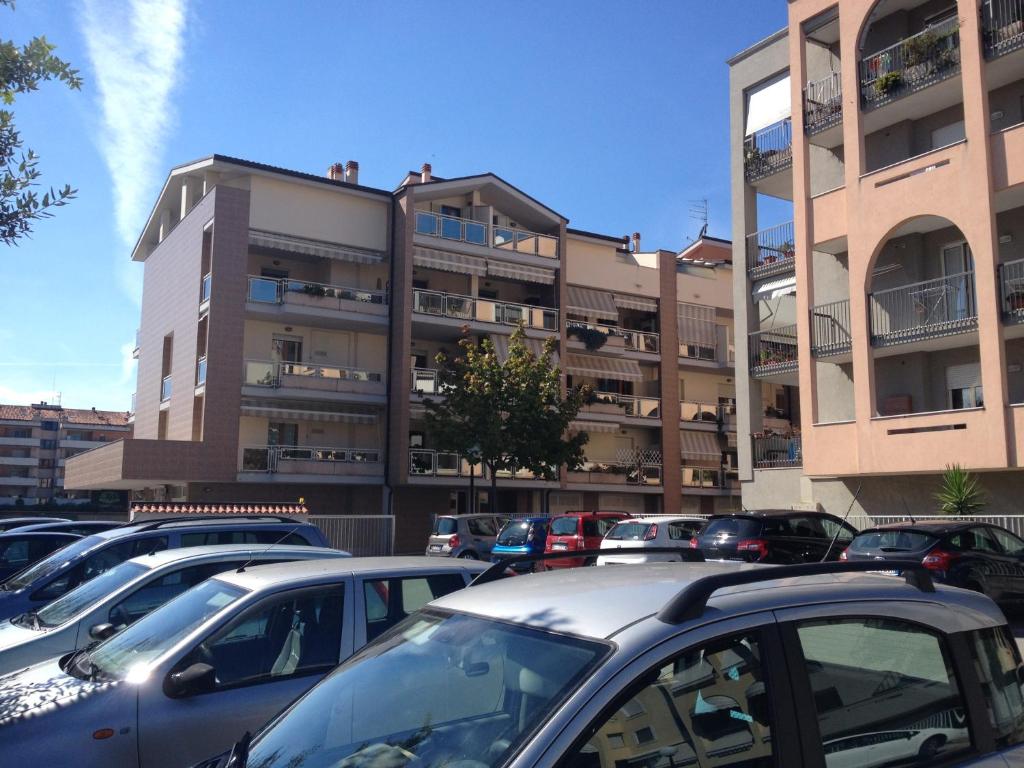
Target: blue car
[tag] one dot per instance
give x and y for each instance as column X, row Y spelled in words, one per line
column 525, row 536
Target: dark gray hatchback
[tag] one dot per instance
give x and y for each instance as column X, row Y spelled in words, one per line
column 775, row 536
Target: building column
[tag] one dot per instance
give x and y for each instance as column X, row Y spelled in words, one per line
column 668, row 325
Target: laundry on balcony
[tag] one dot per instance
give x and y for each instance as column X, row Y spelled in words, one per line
column 521, row 272
column 700, row 446
column 536, row 346
column 640, row 303
column 447, row 261
column 599, row 367
column 591, row 303
column 290, row 244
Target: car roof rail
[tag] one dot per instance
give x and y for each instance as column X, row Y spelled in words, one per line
column 690, row 602
column 497, row 571
column 159, row 522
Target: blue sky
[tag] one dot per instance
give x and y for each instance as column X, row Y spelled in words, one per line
column 612, row 113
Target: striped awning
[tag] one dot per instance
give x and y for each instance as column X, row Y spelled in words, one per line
column 591, row 427
column 589, row 302
column 292, row 244
column 768, row 290
column 301, row 414
column 447, row 261
column 697, row 324
column 699, row 446
column 639, row 303
column 600, row 367
column 521, row 272
column 536, row 346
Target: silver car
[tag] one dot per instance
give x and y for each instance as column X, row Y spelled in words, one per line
column 124, row 594
column 667, row 664
column 221, row 659
column 468, row 536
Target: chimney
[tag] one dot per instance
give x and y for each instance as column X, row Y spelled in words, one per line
column 425, row 173
column 636, row 242
column 352, row 172
column 336, row 172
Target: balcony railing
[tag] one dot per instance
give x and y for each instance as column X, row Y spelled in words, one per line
column 1002, row 24
column 165, row 389
column 268, row 373
column 630, row 405
column 768, row 151
column 616, row 473
column 1011, row 287
column 694, row 411
column 930, row 308
column 705, row 477
column 204, row 296
column 773, row 351
column 460, row 307
column 830, row 328
column 449, row 227
column 634, row 341
column 276, row 458
column 770, row 451
column 201, row 371
column 771, row 251
column 823, row 104
column 273, row 290
column 910, row 65
column 424, row 381
column 430, row 463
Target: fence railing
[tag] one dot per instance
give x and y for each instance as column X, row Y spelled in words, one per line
column 430, row 463
column 272, row 458
column 1013, row 523
column 274, row 290
column 773, row 351
column 616, row 472
column 690, row 410
column 269, row 373
column 424, row 381
column 460, row 307
column 707, row 477
column 450, row 227
column 360, row 535
column 1002, row 25
column 768, row 151
column 916, row 62
column 830, row 328
column 165, row 389
column 635, row 341
column 823, row 103
column 771, row 451
column 201, row 371
column 771, row 251
column 631, row 405
column 938, row 307
column 1011, row 289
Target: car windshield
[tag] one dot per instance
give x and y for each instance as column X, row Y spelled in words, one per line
column 470, row 687
column 563, row 526
column 51, row 563
column 731, row 526
column 445, row 526
column 514, row 534
column 156, row 633
column 892, row 541
column 628, row 531
column 83, row 597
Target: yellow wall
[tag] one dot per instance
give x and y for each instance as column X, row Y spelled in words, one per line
column 600, row 266
column 704, row 285
column 701, row 387
column 351, row 349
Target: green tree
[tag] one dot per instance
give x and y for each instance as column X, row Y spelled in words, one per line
column 506, row 415
column 21, row 71
column 960, row 493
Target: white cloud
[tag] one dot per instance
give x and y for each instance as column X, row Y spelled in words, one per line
column 16, row 396
column 127, row 362
column 135, row 49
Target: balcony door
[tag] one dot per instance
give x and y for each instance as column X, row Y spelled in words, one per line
column 282, row 433
column 286, row 350
column 958, row 268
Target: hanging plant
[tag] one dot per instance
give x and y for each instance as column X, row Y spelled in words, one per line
column 592, row 338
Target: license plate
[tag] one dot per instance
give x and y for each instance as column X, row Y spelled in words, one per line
column 886, row 573
column 559, row 546
column 435, row 547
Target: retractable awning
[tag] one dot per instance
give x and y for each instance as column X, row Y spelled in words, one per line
column 279, row 242
column 767, row 290
column 599, row 305
column 699, row 446
column 640, row 303
column 536, row 346
column 521, row 272
column 593, row 427
column 697, row 324
column 300, row 414
column 447, row 261
column 600, row 367
column 768, row 105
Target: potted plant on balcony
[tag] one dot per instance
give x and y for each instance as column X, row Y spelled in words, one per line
column 888, row 83
column 1015, row 301
column 787, row 249
column 592, row 338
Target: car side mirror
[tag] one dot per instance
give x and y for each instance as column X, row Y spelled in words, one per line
column 102, row 631
column 198, row 678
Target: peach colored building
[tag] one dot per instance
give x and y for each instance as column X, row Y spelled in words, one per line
column 290, row 324
column 878, row 203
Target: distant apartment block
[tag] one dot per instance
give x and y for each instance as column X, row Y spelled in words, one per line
column 36, row 441
column 290, row 325
column 878, row 215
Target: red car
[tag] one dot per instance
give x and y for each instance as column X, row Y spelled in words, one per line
column 575, row 531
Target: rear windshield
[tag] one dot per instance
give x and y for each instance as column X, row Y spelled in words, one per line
column 445, row 526
column 628, row 531
column 517, row 533
column 564, row 526
column 892, row 541
column 732, row 526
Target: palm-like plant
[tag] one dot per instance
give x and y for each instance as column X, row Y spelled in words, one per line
column 960, row 493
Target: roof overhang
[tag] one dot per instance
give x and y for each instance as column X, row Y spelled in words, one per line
column 495, row 191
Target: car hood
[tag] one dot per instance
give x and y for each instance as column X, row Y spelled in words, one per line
column 11, row 634
column 41, row 687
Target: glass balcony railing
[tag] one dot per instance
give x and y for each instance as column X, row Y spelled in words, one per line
column 830, row 328
column 281, row 458
column 916, row 62
column 775, row 451
column 922, row 310
column 1002, row 24
column 614, row 472
column 634, row 341
column 773, row 351
column 484, row 310
column 273, row 290
column 201, row 371
column 429, row 463
column 629, row 405
column 165, row 389
column 449, row 227
column 694, row 411
column 703, row 477
column 771, row 251
column 133, row 404
column 205, row 294
column 768, row 151
column 823, row 104
column 268, row 373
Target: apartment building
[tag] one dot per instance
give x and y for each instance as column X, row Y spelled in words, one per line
column 35, row 442
column 290, row 325
column 878, row 209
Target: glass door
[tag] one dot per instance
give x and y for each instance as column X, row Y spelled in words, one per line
column 958, row 268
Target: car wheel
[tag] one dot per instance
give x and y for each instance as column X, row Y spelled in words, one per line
column 467, row 555
column 930, row 748
column 589, row 562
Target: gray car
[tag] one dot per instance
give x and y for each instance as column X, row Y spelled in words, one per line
column 667, row 664
column 221, row 659
column 124, row 594
column 468, row 536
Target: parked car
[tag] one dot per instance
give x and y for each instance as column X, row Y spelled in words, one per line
column 19, row 549
column 222, row 658
column 7, row 523
column 82, row 560
column 79, row 527
column 628, row 538
column 662, row 665
column 776, row 536
column 526, row 536
column 578, row 530
column 124, row 594
column 978, row 556
column 468, row 536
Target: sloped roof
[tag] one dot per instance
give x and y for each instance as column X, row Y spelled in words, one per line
column 64, row 415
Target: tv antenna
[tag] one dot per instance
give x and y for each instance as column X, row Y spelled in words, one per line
column 699, row 213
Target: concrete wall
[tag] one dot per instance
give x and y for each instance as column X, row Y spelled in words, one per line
column 602, row 266
column 1015, row 369
column 831, row 276
column 834, row 392
column 1008, row 99
column 320, row 346
column 907, row 139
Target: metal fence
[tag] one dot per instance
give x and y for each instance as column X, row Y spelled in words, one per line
column 768, row 151
column 1002, row 23
column 916, row 62
column 771, row 250
column 362, row 535
column 775, row 451
column 830, row 328
column 921, row 310
column 823, row 103
column 1014, row 523
column 773, row 351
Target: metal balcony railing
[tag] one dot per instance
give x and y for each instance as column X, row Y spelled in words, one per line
column 770, row 451
column 201, row 371
column 616, row 472
column 768, row 151
column 634, row 341
column 424, row 381
column 460, row 307
column 269, row 373
column 694, row 411
column 273, row 290
column 773, row 351
column 269, row 458
column 914, row 63
column 449, row 227
column 1011, row 290
column 165, row 389
column 830, row 328
column 204, row 295
column 638, row 407
column 939, row 307
column 771, row 251
column 823, row 104
column 1002, row 26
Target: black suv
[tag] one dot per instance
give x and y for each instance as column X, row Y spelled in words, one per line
column 775, row 536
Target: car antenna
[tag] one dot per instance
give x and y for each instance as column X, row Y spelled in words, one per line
column 252, row 556
column 839, row 529
column 906, row 509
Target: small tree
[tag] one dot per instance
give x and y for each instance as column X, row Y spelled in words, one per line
column 959, row 493
column 506, row 415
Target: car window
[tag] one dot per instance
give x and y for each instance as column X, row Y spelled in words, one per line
column 564, row 526
column 1010, row 544
column 733, row 526
column 707, row 707
column 631, row 531
column 85, row 596
column 874, row 677
column 482, row 526
column 14, row 553
column 997, row 662
column 598, row 526
column 445, row 526
column 291, row 634
column 683, row 530
column 388, row 601
column 974, row 540
column 893, row 540
column 158, row 591
column 204, row 538
column 100, row 562
column 809, row 527
column 833, row 527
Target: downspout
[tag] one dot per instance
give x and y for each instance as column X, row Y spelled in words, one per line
column 389, row 499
